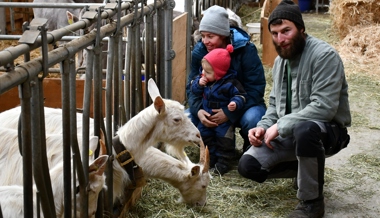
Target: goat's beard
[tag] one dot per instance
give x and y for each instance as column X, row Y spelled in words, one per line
column 297, row 44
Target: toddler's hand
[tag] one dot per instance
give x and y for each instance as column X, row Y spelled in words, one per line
column 231, row 106
column 203, row 81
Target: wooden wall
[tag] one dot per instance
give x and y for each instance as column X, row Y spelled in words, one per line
column 20, row 16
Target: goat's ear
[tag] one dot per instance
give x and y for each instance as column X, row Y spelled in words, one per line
column 195, row 170
column 71, row 18
column 99, row 165
column 93, row 145
column 159, row 105
column 153, row 90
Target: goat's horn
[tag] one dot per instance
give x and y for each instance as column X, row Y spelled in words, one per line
column 201, row 152
column 204, row 158
column 103, row 149
column 206, row 164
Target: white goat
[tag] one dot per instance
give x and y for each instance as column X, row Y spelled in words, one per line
column 163, row 121
column 53, row 120
column 11, row 159
column 11, row 197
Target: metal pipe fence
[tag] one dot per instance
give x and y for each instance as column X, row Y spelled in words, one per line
column 123, row 85
column 29, row 77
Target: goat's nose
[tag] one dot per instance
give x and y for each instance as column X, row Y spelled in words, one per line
column 200, row 204
column 198, row 135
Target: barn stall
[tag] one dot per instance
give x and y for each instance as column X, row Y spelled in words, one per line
column 39, row 70
column 31, row 77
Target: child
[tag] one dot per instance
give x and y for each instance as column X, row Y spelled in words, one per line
column 220, row 90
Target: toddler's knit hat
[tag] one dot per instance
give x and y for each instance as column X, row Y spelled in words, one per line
column 287, row 10
column 215, row 20
column 220, row 60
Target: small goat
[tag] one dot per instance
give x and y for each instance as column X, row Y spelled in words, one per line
column 11, row 197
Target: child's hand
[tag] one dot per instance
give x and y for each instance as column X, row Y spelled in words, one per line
column 232, row 106
column 203, row 81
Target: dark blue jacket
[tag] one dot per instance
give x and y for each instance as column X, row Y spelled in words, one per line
column 220, row 93
column 245, row 61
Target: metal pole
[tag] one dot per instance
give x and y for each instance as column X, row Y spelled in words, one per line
column 65, row 89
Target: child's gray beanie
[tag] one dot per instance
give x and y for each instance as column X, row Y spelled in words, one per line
column 215, row 20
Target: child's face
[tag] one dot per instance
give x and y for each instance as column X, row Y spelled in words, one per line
column 208, row 72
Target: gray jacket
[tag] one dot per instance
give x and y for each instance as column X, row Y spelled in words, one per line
column 319, row 89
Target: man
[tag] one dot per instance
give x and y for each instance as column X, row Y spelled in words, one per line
column 307, row 115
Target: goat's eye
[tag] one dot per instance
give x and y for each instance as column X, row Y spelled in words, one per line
column 177, row 120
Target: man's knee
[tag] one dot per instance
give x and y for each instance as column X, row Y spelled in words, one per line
column 251, row 117
column 250, row 168
column 308, row 139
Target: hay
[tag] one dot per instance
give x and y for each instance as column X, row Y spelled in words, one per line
column 228, row 196
column 362, row 42
column 351, row 13
column 357, row 24
column 361, row 47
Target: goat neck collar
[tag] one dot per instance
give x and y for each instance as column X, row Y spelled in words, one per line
column 125, row 158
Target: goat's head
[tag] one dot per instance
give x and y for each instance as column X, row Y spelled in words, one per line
column 96, row 182
column 194, row 191
column 175, row 127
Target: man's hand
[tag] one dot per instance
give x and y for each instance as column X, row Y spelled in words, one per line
column 218, row 117
column 270, row 134
column 256, row 135
column 204, row 118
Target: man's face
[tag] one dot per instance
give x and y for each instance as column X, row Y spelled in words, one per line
column 287, row 39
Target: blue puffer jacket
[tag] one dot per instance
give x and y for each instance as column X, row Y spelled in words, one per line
column 245, row 61
column 220, row 93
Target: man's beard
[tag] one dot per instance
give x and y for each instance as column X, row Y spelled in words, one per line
column 297, row 44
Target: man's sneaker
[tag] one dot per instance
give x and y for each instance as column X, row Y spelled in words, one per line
column 213, row 160
column 221, row 168
column 309, row 209
column 294, row 183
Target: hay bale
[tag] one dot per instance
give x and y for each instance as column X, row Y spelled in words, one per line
column 361, row 46
column 346, row 14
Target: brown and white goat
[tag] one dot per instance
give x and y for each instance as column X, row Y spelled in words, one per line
column 11, row 197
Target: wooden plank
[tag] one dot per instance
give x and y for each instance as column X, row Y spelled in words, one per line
column 269, row 52
column 20, row 16
column 179, row 62
column 9, row 99
column 52, row 95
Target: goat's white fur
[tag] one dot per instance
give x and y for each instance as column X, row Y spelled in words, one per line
column 163, row 121
column 11, row 197
column 53, row 120
column 11, row 159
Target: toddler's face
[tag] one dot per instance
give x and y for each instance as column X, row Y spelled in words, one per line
column 208, row 74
